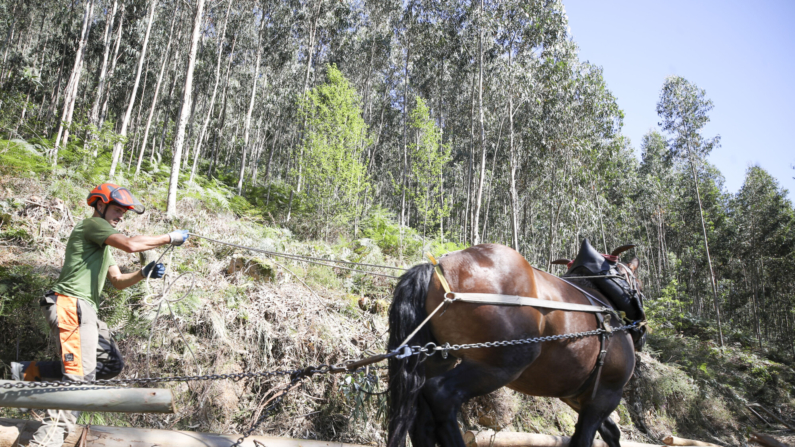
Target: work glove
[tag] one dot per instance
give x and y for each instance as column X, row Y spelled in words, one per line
column 157, row 270
column 179, row 236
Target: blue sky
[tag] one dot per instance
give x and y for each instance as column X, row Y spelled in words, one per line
column 741, row 53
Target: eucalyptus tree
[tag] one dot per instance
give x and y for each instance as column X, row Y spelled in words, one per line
column 70, row 96
column 220, row 40
column 684, row 108
column 763, row 241
column 107, row 38
column 119, row 147
column 165, row 57
column 179, row 140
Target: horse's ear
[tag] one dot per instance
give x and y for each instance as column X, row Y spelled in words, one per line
column 634, row 264
column 622, row 249
column 562, row 261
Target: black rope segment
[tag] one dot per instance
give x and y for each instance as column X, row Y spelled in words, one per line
column 309, row 259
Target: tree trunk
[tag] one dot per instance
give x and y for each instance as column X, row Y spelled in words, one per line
column 104, row 110
column 221, row 38
column 404, row 179
column 514, row 198
column 273, row 148
column 119, row 147
column 222, row 112
column 159, row 82
column 171, row 206
column 74, row 80
column 476, row 213
column 465, row 236
column 103, row 72
column 310, row 53
column 137, row 126
column 247, row 126
column 706, row 247
column 9, row 38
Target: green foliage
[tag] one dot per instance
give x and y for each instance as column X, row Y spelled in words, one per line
column 667, row 307
column 429, row 158
column 241, row 206
column 86, row 141
column 19, row 287
column 16, row 235
column 380, row 226
column 323, row 276
column 19, row 157
column 684, row 108
column 335, row 136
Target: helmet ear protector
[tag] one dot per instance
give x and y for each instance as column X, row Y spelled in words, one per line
column 109, row 193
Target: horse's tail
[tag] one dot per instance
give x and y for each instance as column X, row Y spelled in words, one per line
column 407, row 376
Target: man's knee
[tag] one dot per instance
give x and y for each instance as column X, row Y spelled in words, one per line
column 111, row 364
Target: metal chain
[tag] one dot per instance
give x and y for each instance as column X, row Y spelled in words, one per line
column 432, row 348
column 150, row 380
column 309, row 371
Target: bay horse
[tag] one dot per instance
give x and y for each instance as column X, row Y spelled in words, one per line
column 426, row 394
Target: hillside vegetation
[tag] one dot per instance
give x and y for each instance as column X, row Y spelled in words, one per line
column 268, row 314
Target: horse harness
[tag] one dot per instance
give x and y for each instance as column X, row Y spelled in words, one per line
column 602, row 313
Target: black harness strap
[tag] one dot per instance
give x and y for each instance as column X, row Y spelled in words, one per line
column 604, row 337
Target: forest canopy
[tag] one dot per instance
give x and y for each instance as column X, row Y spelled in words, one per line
column 417, row 124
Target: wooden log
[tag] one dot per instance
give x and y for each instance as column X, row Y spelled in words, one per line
column 89, row 398
column 15, row 430
column 488, row 438
column 766, row 441
column 673, row 440
column 771, row 414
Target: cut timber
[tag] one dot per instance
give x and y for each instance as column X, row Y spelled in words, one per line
column 488, row 438
column 767, row 441
column 673, row 440
column 13, row 430
column 769, row 413
column 89, row 398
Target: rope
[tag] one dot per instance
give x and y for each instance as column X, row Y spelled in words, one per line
column 309, row 259
column 164, row 298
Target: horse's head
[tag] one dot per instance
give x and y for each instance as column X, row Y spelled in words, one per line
column 629, row 270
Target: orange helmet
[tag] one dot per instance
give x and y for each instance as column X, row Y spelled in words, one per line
column 110, row 193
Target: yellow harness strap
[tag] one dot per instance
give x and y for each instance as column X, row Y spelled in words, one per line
column 438, row 269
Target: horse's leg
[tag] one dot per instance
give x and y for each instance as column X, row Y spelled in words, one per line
column 423, row 432
column 609, row 430
column 610, row 433
column 594, row 415
column 447, row 392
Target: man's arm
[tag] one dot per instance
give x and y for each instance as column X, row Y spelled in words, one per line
column 123, row 280
column 137, row 243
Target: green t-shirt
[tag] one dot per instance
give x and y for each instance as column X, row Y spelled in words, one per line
column 87, row 261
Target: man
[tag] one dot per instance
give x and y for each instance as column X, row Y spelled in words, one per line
column 84, row 342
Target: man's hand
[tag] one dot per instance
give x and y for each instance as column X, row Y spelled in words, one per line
column 154, row 271
column 178, row 237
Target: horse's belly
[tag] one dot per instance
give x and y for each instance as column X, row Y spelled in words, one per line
column 559, row 371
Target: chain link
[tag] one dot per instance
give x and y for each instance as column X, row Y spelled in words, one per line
column 432, row 348
column 150, row 380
